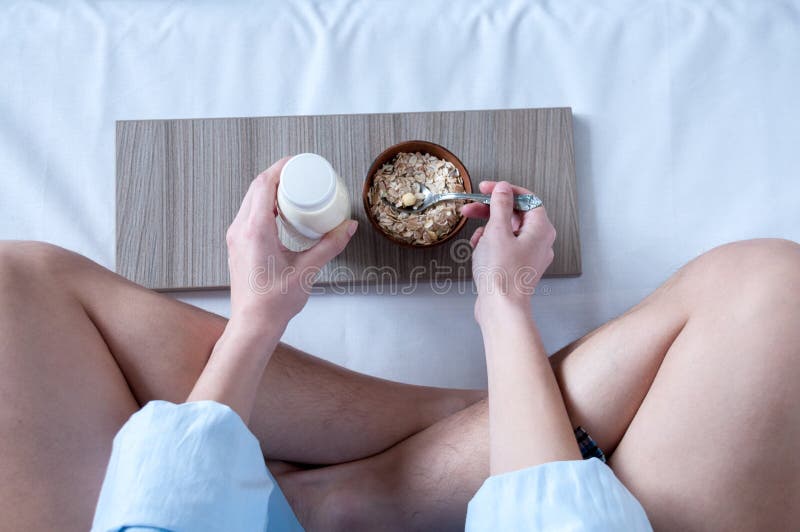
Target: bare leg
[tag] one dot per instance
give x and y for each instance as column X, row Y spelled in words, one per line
column 695, row 388
column 714, row 443
column 63, row 399
column 427, row 479
column 161, row 346
column 423, row 483
column 80, row 351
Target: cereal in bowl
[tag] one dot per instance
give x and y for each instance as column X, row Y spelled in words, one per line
column 397, row 182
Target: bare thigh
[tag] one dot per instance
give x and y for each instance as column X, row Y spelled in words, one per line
column 713, row 444
column 63, row 398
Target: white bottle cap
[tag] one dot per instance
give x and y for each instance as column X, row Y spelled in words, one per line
column 308, row 181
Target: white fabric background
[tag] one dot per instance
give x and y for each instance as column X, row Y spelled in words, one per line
column 686, row 134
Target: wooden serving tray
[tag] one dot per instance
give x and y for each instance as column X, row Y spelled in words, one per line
column 180, row 183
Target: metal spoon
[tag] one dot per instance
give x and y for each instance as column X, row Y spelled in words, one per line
column 522, row 202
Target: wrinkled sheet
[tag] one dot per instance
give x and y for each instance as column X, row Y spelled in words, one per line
column 686, row 130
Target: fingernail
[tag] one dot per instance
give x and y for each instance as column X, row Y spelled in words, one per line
column 352, row 225
column 502, row 187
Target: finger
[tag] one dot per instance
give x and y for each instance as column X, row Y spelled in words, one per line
column 501, row 208
column 476, row 237
column 486, row 187
column 480, row 210
column 535, row 223
column 244, row 208
column 475, row 210
column 331, row 245
column 264, row 198
column 516, row 222
column 247, row 201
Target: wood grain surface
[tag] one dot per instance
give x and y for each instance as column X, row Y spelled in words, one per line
column 180, row 183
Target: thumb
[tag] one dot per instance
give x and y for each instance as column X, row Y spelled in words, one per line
column 501, row 208
column 331, row 244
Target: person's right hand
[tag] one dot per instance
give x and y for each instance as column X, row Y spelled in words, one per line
column 511, row 252
column 269, row 283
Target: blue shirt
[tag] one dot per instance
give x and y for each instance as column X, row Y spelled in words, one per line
column 197, row 467
column 189, row 467
column 575, row 495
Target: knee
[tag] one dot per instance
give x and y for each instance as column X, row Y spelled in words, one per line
column 759, row 269
column 775, row 249
column 21, row 259
column 344, row 509
column 365, row 502
column 763, row 259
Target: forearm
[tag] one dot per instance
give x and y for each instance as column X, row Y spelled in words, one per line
column 527, row 417
column 236, row 366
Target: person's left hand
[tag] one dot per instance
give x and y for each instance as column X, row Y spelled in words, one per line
column 269, row 283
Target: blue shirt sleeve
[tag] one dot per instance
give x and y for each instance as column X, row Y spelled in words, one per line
column 193, row 466
column 573, row 495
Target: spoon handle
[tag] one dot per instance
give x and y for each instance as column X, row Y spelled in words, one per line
column 522, row 202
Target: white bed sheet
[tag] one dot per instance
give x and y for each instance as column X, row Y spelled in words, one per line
column 686, row 130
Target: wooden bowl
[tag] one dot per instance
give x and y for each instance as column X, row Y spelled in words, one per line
column 413, row 146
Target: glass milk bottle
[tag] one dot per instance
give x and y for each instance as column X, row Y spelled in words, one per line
column 312, row 200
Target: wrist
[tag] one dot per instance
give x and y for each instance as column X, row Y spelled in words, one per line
column 255, row 331
column 490, row 310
